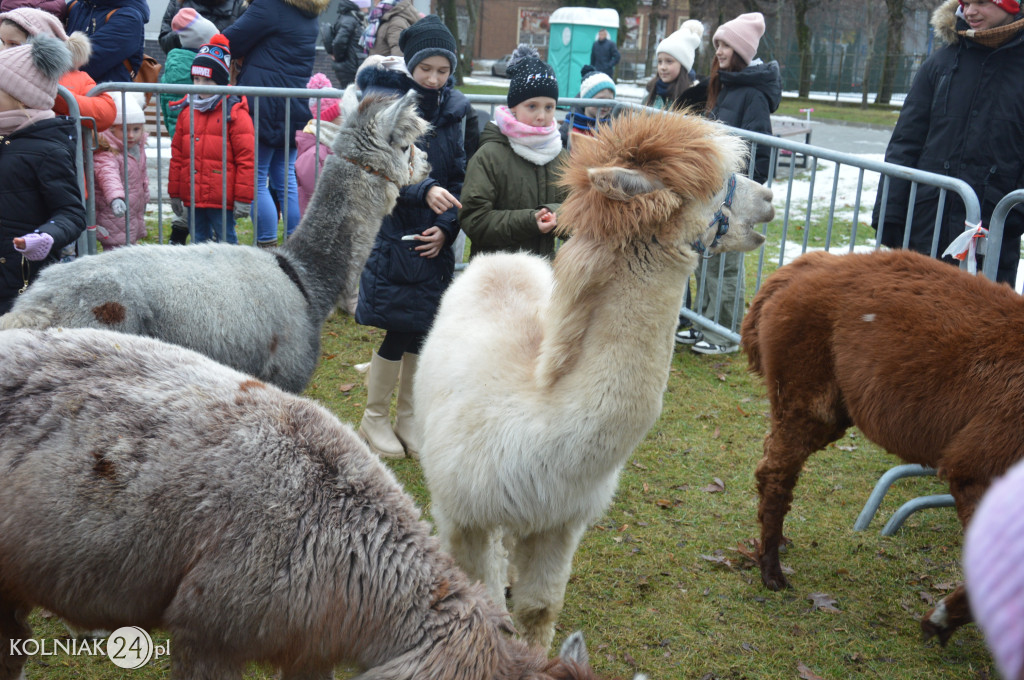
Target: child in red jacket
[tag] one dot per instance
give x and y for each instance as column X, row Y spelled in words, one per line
column 223, row 188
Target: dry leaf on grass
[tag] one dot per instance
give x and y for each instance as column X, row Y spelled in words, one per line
column 806, row 673
column 716, row 486
column 347, row 387
column 823, row 601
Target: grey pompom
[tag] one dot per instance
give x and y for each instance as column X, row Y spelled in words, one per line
column 49, row 56
column 524, row 51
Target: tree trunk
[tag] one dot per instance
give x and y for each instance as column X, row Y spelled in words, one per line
column 893, row 49
column 451, row 20
column 803, row 43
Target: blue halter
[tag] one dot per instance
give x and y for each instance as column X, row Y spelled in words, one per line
column 719, row 218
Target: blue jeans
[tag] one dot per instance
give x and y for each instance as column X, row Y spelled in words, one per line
column 271, row 165
column 208, row 225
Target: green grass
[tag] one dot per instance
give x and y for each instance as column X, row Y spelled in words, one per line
column 872, row 114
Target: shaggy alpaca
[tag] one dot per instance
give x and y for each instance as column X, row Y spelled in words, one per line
column 537, row 381
column 147, row 485
column 920, row 356
column 254, row 310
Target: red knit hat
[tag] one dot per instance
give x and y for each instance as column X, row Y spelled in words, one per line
column 1010, row 6
column 214, row 60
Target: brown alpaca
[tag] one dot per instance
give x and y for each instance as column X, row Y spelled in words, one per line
column 925, row 359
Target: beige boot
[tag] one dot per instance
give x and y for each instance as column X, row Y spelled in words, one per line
column 375, row 427
column 406, row 427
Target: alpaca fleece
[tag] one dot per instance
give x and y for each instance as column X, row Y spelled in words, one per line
column 925, row 359
column 144, row 484
column 240, row 306
column 538, row 380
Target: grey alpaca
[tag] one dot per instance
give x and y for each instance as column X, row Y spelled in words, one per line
column 258, row 311
column 144, row 484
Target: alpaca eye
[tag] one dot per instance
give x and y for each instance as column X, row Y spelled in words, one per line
column 405, row 148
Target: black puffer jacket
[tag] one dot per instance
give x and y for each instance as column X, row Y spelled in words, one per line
column 40, row 191
column 346, row 31
column 746, row 101
column 963, row 117
column 222, row 13
column 399, row 290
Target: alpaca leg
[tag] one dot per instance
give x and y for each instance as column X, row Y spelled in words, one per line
column 948, row 615
column 13, row 628
column 474, row 550
column 543, row 562
column 786, row 448
column 193, row 661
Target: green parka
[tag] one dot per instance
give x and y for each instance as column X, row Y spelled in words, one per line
column 502, row 193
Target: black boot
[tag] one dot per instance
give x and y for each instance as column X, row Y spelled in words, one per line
column 179, row 235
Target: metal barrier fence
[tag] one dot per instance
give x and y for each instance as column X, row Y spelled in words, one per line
column 787, row 185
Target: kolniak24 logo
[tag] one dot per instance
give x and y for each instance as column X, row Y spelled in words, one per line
column 127, row 647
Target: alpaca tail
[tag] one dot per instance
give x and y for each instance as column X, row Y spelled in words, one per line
column 33, row 317
column 750, row 330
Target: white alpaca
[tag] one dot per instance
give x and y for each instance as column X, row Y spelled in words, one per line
column 146, row 485
column 537, row 381
column 255, row 310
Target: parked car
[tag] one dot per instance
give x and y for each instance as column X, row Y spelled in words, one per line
column 500, row 67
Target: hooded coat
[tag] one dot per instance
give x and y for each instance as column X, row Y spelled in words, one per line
column 222, row 13
column 399, row 290
column 117, row 31
column 275, row 41
column 963, row 117
column 347, row 29
column 397, row 19
column 503, row 192
column 40, row 192
column 746, row 101
column 109, row 167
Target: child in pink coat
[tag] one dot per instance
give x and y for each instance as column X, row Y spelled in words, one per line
column 116, row 206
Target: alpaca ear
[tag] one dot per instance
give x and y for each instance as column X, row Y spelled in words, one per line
column 575, row 649
column 622, row 184
column 401, row 119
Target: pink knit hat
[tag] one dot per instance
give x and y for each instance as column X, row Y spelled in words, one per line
column 742, row 34
column 30, row 72
column 192, row 28
column 994, row 570
column 329, row 106
column 37, row 22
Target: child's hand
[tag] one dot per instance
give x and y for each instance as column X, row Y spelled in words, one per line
column 177, row 207
column 440, row 199
column 241, row 210
column 119, row 207
column 546, row 220
column 431, row 242
column 35, row 246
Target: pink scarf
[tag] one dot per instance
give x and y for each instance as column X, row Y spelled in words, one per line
column 12, row 121
column 539, row 145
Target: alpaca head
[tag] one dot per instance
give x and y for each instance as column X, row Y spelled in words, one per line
column 650, row 175
column 380, row 135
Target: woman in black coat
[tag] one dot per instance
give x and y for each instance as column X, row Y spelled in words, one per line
column 963, row 117
column 412, row 262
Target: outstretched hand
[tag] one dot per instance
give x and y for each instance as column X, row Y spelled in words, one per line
column 440, row 199
column 546, row 220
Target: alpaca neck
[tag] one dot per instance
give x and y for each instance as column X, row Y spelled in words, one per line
column 338, row 230
column 610, row 322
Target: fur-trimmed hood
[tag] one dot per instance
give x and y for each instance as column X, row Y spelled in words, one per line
column 946, row 23
column 311, row 7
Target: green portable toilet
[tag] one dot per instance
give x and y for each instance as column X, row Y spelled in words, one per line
column 573, row 32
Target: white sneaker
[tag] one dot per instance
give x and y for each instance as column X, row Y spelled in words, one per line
column 689, row 336
column 705, row 347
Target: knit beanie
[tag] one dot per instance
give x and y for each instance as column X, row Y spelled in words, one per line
column 594, row 81
column 35, row 21
column 329, row 107
column 994, row 570
column 362, row 4
column 428, row 37
column 132, row 113
column 742, row 34
column 192, row 28
column 682, row 45
column 30, row 72
column 214, row 60
column 531, row 77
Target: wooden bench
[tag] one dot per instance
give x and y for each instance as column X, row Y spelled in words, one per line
column 791, row 127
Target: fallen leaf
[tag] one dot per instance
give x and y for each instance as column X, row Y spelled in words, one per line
column 747, row 647
column 844, row 447
column 628, row 659
column 823, row 601
column 347, row 387
column 646, row 488
column 664, row 503
column 718, row 558
column 721, row 376
column 717, row 433
column 638, row 466
column 716, row 486
column 927, row 597
column 806, row 673
column 328, row 357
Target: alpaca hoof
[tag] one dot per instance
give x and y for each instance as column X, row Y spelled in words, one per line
column 774, row 580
